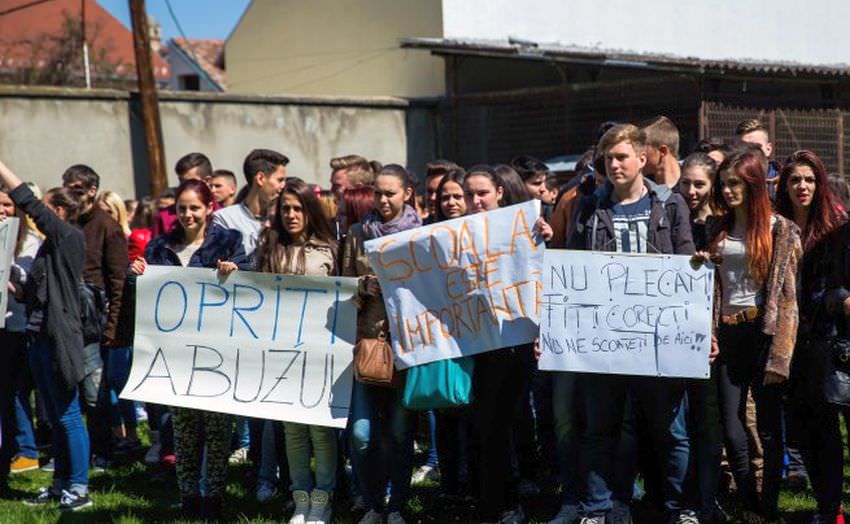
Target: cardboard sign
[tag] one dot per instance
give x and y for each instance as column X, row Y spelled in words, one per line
column 626, row 314
column 256, row 344
column 462, row 286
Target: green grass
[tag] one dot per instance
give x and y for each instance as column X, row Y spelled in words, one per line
column 135, row 494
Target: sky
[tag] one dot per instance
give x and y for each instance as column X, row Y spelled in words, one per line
column 199, row 18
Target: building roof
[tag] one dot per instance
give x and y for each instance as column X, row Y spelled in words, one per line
column 25, row 27
column 617, row 58
column 206, row 54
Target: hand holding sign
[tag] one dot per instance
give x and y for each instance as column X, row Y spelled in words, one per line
column 462, row 286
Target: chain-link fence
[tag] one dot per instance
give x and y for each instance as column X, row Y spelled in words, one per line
column 548, row 122
column 819, row 130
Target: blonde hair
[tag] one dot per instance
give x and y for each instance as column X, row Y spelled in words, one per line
column 661, row 131
column 622, row 133
column 119, row 210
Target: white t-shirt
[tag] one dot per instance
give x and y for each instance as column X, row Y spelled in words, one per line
column 185, row 252
column 240, row 218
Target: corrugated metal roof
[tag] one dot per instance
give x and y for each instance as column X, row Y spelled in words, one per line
column 618, row 58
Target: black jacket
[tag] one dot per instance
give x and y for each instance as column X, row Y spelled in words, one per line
column 669, row 222
column 219, row 244
column 63, row 253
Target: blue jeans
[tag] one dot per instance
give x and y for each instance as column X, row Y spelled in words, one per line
column 660, row 401
column 433, row 459
column 381, row 439
column 70, row 440
column 300, row 438
column 565, row 410
column 117, row 372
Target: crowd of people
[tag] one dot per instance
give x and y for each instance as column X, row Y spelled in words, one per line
column 775, row 233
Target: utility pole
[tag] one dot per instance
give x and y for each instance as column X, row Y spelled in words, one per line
column 147, row 91
column 86, row 64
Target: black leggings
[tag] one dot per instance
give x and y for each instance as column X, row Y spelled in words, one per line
column 740, row 366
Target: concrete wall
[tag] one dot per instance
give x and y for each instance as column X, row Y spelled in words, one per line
column 43, row 131
column 811, row 32
column 335, row 47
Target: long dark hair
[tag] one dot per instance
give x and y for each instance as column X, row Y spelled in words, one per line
column 276, row 246
column 826, row 212
column 204, row 194
column 514, row 190
column 751, row 166
column 457, row 176
column 71, row 200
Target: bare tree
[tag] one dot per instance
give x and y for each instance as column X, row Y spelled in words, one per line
column 57, row 59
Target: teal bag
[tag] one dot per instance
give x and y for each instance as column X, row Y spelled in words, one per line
column 440, row 384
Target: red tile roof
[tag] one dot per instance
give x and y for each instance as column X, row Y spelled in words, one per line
column 209, row 54
column 25, row 26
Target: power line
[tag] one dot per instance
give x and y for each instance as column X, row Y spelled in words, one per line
column 24, row 6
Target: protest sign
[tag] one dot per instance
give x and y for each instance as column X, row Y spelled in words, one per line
column 462, row 286
column 8, row 240
column 256, row 344
column 625, row 314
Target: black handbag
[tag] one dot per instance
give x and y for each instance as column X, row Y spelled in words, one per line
column 836, row 377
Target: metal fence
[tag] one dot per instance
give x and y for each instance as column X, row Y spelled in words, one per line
column 547, row 122
column 819, row 130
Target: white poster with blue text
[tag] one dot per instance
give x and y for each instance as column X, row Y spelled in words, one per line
column 462, row 286
column 8, row 241
column 626, row 314
column 254, row 344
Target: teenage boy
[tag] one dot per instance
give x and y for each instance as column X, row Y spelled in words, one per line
column 627, row 214
column 106, row 269
column 265, row 173
column 662, row 151
column 434, row 173
column 223, row 187
column 194, row 166
column 754, row 132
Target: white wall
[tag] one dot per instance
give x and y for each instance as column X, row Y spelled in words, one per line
column 812, row 32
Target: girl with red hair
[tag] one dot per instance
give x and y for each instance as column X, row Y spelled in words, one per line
column 804, row 196
column 755, row 319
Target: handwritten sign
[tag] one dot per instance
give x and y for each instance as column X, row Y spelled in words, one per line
column 256, row 344
column 625, row 314
column 462, row 286
column 8, row 240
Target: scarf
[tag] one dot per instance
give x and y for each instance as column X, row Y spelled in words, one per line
column 374, row 228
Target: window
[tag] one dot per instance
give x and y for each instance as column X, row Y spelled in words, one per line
column 190, row 82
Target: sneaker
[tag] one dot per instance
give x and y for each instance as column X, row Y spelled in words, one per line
column 513, row 516
column 100, row 464
column 21, row 464
column 141, row 413
column 44, row 496
column 320, row 507
column 152, row 456
column 240, row 456
column 168, row 460
column 49, row 466
column 302, row 507
column 567, row 515
column 527, row 488
column 424, row 473
column 395, row 518
column 373, row 517
column 686, row 517
column 265, row 492
column 71, row 501
column 592, row 520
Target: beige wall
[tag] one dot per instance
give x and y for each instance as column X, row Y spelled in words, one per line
column 335, row 47
column 43, row 131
